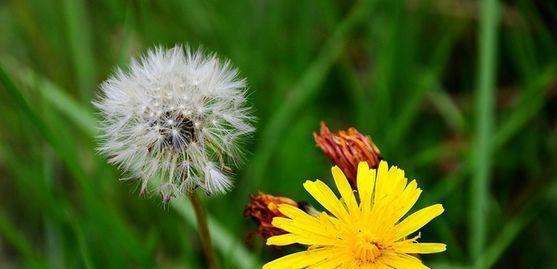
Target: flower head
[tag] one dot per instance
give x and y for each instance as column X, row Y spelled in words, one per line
column 358, row 232
column 262, row 208
column 175, row 117
column 346, row 149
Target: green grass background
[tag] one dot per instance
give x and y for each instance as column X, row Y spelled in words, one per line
column 461, row 94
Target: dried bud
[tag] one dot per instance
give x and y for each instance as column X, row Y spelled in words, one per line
column 262, row 208
column 348, row 148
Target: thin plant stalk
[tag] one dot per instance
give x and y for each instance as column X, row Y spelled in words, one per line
column 203, row 228
column 484, row 127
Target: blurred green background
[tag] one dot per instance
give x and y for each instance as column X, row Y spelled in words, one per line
column 460, row 94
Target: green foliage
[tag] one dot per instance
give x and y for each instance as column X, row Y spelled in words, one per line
column 461, row 94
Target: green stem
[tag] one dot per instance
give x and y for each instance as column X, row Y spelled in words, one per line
column 203, row 228
column 484, row 126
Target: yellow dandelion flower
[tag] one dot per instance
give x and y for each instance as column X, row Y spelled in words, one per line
column 357, row 232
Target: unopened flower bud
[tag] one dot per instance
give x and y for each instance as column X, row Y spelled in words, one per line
column 262, row 208
column 346, row 149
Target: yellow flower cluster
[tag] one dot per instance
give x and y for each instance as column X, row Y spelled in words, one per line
column 366, row 230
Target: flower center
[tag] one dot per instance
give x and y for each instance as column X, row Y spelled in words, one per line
column 185, row 127
column 367, row 248
column 177, row 131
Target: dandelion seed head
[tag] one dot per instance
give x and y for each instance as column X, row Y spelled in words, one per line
column 175, row 117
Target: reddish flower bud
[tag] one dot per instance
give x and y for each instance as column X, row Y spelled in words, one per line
column 346, row 149
column 262, row 208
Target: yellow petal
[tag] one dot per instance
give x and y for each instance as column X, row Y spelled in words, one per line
column 302, row 259
column 419, row 248
column 325, row 197
column 345, row 189
column 407, row 199
column 417, row 220
column 331, row 263
column 381, row 179
column 365, row 182
column 297, row 214
column 399, row 181
column 306, row 234
column 281, row 240
column 288, row 239
column 401, row 261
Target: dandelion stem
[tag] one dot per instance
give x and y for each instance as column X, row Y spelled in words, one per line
column 202, row 227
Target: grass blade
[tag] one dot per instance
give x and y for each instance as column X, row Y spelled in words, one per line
column 484, row 127
column 20, row 243
column 79, row 41
column 512, row 228
column 306, row 87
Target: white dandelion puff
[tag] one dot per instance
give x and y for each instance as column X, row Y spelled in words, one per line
column 175, row 117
